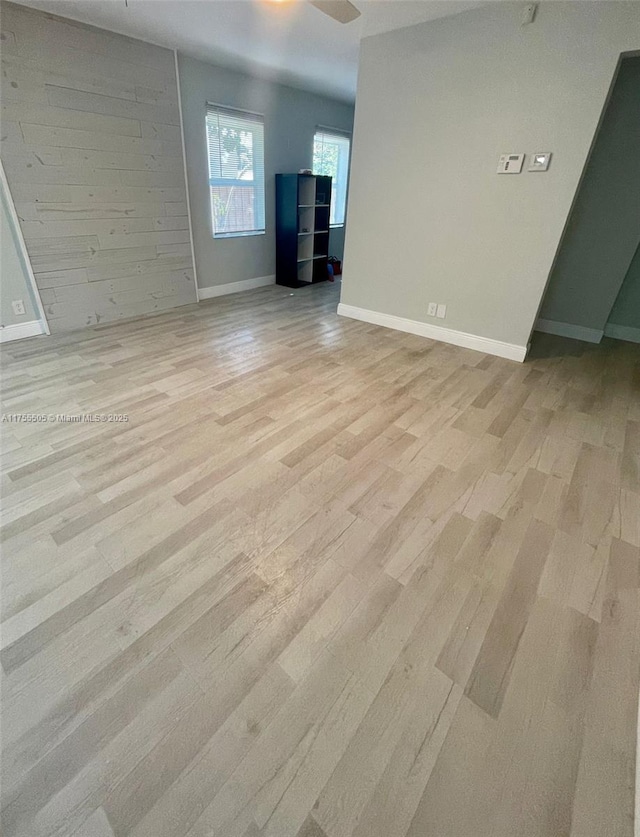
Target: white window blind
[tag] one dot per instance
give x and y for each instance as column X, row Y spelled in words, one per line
column 235, row 141
column 331, row 157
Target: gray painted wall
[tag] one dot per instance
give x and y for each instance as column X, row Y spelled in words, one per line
column 291, row 117
column 626, row 310
column 604, row 228
column 429, row 219
column 92, row 150
column 14, row 283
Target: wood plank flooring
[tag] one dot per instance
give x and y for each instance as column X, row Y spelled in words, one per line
column 329, row 580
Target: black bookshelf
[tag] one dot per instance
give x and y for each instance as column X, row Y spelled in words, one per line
column 302, row 228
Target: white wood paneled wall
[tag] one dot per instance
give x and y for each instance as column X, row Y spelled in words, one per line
column 92, row 149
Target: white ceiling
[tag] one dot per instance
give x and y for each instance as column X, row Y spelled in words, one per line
column 289, row 41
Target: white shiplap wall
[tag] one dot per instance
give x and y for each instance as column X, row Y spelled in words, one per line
column 91, row 145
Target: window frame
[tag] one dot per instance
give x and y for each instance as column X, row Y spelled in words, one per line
column 258, row 184
column 339, row 134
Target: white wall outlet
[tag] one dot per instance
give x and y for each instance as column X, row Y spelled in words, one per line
column 441, row 312
column 18, row 306
column 432, row 309
column 540, row 161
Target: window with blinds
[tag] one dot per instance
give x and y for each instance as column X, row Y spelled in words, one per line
column 331, row 157
column 235, row 141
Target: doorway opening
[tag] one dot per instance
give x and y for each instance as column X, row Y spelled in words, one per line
column 594, row 286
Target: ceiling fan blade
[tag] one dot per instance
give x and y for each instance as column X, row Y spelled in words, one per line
column 341, row 10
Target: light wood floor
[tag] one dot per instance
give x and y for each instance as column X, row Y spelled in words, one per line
column 329, row 580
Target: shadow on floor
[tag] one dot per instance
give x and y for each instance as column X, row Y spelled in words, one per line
column 549, row 346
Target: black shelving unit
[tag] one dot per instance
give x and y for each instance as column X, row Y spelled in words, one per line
column 302, row 228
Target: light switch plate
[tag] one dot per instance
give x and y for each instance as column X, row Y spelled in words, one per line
column 510, row 163
column 540, row 161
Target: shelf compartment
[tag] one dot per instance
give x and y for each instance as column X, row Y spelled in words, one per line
column 306, row 218
column 321, row 193
column 305, row 272
column 305, row 248
column 306, row 190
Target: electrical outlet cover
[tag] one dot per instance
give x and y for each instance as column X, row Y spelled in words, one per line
column 432, row 309
column 441, row 312
column 540, row 161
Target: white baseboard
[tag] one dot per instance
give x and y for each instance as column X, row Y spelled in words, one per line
column 21, row 330
column 620, row 332
column 236, row 287
column 575, row 332
column 511, row 351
